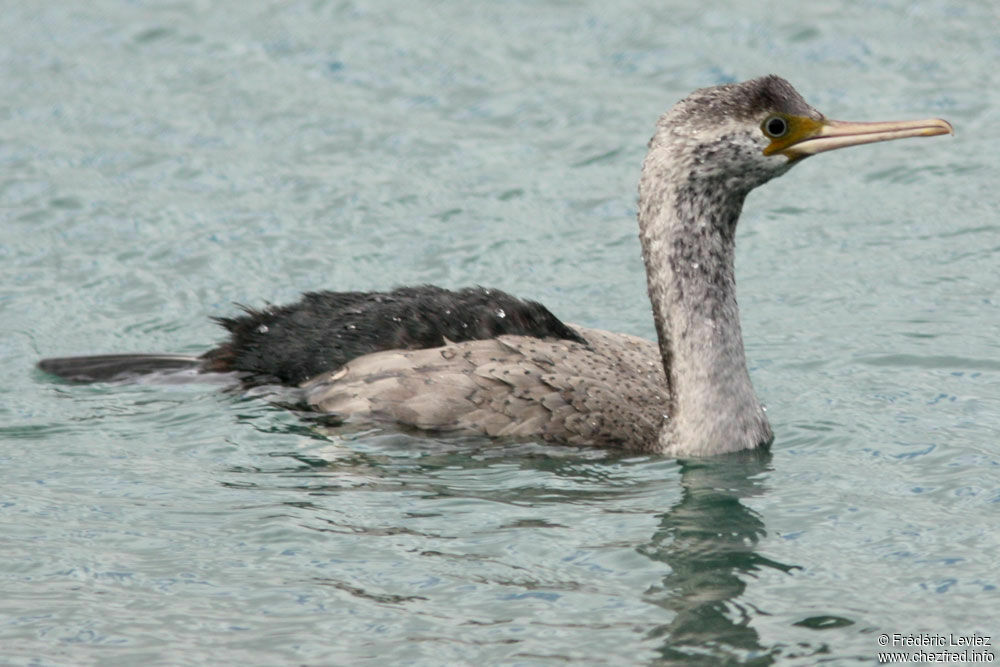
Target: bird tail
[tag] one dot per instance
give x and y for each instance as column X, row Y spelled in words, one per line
column 117, row 367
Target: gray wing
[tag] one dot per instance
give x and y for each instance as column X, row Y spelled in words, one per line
column 611, row 391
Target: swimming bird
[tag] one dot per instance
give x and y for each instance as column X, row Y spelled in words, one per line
column 481, row 361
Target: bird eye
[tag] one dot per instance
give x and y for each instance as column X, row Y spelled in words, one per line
column 775, row 126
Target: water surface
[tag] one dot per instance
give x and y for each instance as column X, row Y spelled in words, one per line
column 159, row 162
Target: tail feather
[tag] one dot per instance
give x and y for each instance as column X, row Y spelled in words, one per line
column 114, row 367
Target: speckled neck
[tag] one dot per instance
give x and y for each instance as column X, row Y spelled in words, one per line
column 687, row 227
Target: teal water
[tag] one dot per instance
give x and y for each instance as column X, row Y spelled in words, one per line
column 160, row 161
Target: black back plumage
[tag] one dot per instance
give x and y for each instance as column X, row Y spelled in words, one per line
column 325, row 330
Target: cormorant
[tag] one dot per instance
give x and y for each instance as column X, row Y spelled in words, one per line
column 481, row 361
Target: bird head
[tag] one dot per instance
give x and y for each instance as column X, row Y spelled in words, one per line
column 739, row 136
